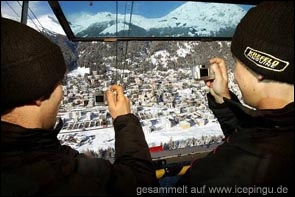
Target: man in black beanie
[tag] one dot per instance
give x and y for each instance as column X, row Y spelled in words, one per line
column 33, row 162
column 257, row 156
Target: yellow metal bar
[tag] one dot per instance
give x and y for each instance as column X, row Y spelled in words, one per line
column 183, row 170
column 161, row 172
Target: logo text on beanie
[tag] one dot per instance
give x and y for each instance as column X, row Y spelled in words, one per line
column 265, row 60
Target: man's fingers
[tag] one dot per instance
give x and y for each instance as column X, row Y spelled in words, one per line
column 216, row 69
column 118, row 91
column 219, row 67
column 110, row 98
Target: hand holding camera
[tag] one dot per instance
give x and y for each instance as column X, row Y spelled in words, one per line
column 118, row 103
column 219, row 86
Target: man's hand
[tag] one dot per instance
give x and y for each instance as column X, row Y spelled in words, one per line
column 118, row 103
column 218, row 86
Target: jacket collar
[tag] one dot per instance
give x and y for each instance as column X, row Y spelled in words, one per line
column 265, row 117
column 15, row 137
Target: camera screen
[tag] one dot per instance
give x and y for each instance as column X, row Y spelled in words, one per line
column 204, row 72
column 99, row 98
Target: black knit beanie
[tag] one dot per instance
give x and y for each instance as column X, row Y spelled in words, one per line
column 264, row 40
column 31, row 65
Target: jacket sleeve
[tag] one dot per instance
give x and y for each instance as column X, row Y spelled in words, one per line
column 223, row 113
column 133, row 167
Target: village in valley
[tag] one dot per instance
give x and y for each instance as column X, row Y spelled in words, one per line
column 166, row 103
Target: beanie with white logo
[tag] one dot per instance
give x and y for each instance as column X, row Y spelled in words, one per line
column 264, row 40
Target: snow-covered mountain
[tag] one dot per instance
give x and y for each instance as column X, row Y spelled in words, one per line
column 190, row 19
column 49, row 24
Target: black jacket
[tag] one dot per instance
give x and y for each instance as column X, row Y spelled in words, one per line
column 257, row 154
column 33, row 162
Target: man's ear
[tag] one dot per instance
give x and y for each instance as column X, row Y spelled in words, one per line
column 38, row 102
column 260, row 78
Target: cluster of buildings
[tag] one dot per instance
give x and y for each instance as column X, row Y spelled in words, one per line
column 160, row 99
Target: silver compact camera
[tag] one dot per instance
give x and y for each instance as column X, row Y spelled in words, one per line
column 202, row 72
column 100, row 98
